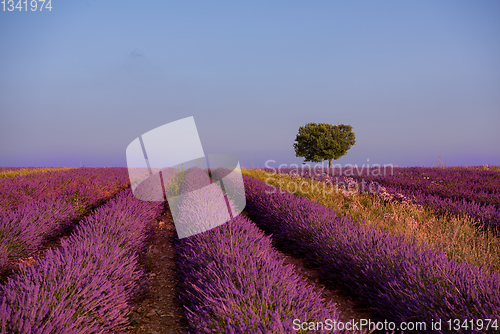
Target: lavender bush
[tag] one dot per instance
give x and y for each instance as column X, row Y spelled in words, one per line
column 85, row 285
column 231, row 280
column 24, row 229
column 399, row 280
column 22, row 190
column 458, row 191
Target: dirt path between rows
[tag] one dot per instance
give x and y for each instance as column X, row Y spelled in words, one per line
column 347, row 306
column 160, row 311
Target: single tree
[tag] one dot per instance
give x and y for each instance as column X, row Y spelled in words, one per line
column 318, row 142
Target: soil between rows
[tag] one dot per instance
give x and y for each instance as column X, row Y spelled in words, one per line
column 160, row 311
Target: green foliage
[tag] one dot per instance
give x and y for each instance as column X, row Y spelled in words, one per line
column 318, row 142
column 78, row 200
column 174, row 187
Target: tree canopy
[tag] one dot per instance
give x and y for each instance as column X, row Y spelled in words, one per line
column 319, row 142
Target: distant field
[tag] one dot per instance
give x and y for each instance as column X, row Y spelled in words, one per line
column 15, row 171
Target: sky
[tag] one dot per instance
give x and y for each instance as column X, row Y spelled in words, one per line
column 417, row 80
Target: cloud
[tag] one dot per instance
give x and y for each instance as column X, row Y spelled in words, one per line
column 136, row 54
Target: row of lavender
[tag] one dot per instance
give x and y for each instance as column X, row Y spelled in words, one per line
column 459, row 191
column 231, row 279
column 85, row 285
column 400, row 281
column 471, row 191
column 21, row 190
column 50, row 203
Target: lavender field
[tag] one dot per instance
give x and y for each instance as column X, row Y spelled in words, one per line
column 77, row 254
column 460, row 191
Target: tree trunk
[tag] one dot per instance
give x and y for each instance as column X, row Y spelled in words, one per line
column 330, row 164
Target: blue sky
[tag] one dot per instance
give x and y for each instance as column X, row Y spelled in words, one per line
column 417, row 80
